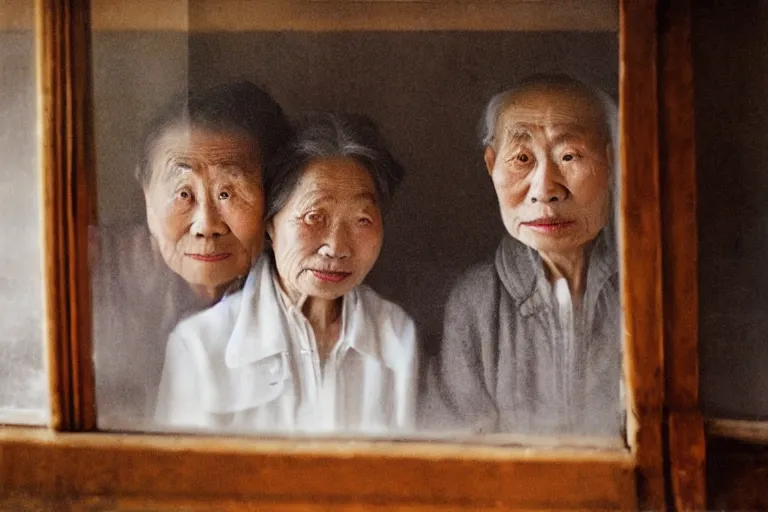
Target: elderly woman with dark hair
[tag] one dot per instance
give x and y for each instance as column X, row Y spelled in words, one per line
column 201, row 171
column 305, row 346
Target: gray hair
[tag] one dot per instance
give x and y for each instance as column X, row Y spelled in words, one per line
column 560, row 82
column 327, row 135
column 239, row 107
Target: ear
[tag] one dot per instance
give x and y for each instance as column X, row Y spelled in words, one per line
column 269, row 229
column 609, row 159
column 490, row 159
column 151, row 217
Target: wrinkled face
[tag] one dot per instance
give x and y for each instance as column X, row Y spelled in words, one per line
column 551, row 167
column 328, row 235
column 205, row 204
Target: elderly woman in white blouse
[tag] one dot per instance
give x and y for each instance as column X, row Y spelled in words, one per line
column 305, row 346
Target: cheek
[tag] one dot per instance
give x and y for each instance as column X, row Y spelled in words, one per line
column 511, row 192
column 593, row 192
column 245, row 220
column 292, row 245
column 368, row 245
column 171, row 227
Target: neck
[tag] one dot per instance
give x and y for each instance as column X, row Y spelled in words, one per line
column 321, row 313
column 209, row 295
column 571, row 266
column 323, row 316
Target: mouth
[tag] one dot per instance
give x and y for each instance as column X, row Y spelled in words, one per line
column 330, row 276
column 209, row 257
column 548, row 224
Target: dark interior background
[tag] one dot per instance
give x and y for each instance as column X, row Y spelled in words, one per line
column 730, row 49
column 426, row 90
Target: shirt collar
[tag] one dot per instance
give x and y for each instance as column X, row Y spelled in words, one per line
column 522, row 273
column 260, row 328
column 263, row 323
column 357, row 328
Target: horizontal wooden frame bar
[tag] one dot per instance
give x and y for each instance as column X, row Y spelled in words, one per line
column 35, row 462
column 749, row 431
column 339, row 15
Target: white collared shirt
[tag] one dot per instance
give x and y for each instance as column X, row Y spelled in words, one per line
column 251, row 363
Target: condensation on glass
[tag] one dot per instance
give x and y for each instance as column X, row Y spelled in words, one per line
column 23, row 386
column 426, row 89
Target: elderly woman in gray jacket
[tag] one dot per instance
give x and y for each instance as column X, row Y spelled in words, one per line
column 531, row 340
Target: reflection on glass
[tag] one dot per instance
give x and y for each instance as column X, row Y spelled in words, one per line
column 201, row 173
column 304, row 363
column 531, row 342
column 23, row 388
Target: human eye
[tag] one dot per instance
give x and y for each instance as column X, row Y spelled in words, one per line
column 312, row 218
column 184, row 194
column 224, row 195
column 522, row 159
column 364, row 221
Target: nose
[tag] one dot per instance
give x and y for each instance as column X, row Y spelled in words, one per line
column 547, row 183
column 208, row 222
column 337, row 244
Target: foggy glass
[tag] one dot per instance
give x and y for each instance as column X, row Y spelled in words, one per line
column 23, row 385
column 425, row 89
column 731, row 66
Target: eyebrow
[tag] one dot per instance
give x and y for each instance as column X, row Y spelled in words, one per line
column 519, row 132
column 314, row 198
column 568, row 136
column 175, row 168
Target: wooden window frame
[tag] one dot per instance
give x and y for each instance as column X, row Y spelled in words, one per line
column 70, row 463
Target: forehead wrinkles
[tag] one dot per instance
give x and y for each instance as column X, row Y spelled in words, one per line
column 232, row 154
column 549, row 111
column 321, row 182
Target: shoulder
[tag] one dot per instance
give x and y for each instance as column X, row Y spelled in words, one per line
column 475, row 286
column 123, row 254
column 208, row 331
column 380, row 311
column 386, row 328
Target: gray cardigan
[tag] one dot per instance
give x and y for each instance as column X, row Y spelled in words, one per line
column 504, row 364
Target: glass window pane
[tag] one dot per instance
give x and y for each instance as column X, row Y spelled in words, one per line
column 23, row 386
column 240, row 326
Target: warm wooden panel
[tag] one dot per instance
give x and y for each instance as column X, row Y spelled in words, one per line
column 686, row 441
column 34, row 504
column 324, row 15
column 740, row 430
column 132, row 467
column 64, row 72
column 640, row 234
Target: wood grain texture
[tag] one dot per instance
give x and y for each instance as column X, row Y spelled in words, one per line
column 748, row 431
column 63, row 77
column 686, row 441
column 113, row 467
column 640, row 234
column 336, row 15
column 75, row 504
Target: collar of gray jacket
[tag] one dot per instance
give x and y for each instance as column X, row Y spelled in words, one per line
column 522, row 273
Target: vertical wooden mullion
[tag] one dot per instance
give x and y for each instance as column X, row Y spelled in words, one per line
column 62, row 35
column 640, row 233
column 686, row 440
